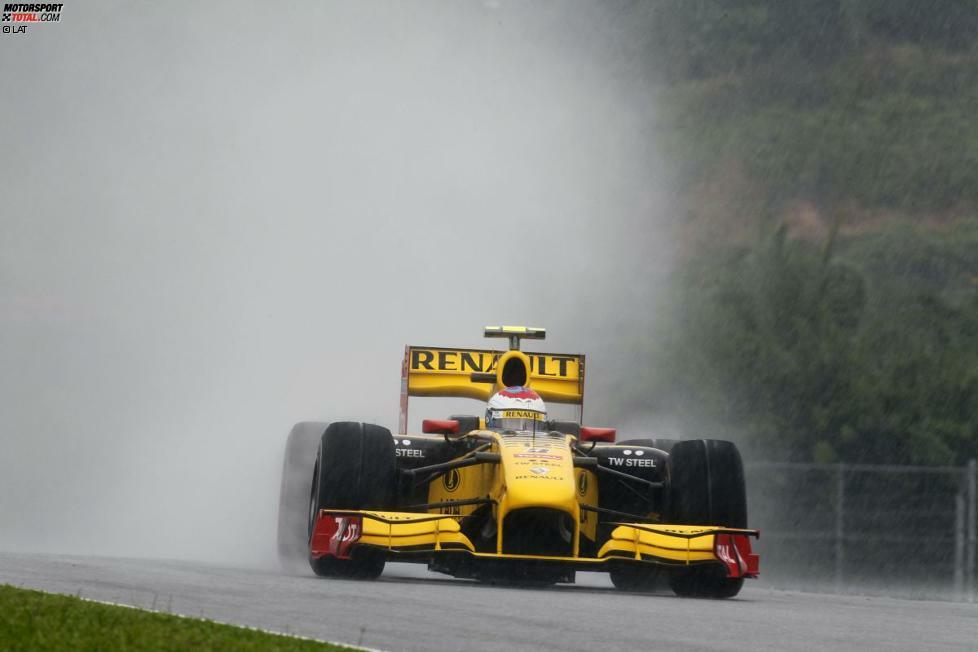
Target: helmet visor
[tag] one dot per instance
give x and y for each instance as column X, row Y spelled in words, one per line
column 517, row 420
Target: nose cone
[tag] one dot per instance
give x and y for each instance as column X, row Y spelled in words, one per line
column 539, row 472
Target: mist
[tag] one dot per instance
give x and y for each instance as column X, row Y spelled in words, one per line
column 218, row 220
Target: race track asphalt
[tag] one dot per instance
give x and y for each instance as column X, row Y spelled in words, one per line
column 412, row 609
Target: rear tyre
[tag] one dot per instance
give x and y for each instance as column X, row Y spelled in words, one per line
column 706, row 488
column 293, row 503
column 355, row 469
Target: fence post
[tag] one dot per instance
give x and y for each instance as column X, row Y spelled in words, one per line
column 960, row 537
column 840, row 493
column 972, row 518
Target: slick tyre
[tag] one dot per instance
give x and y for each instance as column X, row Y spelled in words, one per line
column 293, row 502
column 706, row 488
column 705, row 582
column 631, row 577
column 707, row 484
column 354, row 469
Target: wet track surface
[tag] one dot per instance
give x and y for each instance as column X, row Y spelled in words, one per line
column 411, row 609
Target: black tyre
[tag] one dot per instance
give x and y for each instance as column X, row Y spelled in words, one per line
column 705, row 582
column 632, row 577
column 706, row 488
column 355, row 469
column 662, row 444
column 293, row 502
column 707, row 484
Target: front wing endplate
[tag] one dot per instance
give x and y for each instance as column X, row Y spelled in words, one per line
column 684, row 545
column 337, row 531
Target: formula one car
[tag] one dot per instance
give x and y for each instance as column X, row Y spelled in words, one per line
column 513, row 496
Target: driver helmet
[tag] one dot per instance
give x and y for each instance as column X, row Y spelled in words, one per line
column 519, row 409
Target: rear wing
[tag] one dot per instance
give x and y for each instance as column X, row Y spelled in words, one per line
column 479, row 373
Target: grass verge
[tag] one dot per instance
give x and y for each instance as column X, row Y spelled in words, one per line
column 36, row 621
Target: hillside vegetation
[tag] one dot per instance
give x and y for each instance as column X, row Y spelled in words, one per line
column 827, row 305
column 866, row 101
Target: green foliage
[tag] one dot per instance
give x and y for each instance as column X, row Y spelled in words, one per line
column 698, row 39
column 950, row 24
column 868, row 350
column 866, row 101
column 34, row 621
column 870, row 356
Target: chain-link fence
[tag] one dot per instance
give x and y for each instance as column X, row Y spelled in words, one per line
column 906, row 531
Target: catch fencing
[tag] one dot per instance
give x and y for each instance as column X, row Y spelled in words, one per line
column 906, row 531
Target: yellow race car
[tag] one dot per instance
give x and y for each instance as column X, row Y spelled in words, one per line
column 512, row 495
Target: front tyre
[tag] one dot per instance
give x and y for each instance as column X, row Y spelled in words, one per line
column 355, row 469
column 706, row 488
column 638, row 578
column 705, row 582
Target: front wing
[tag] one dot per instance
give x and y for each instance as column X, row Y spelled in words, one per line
column 338, row 532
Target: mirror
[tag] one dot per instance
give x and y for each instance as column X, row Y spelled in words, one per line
column 589, row 433
column 439, row 426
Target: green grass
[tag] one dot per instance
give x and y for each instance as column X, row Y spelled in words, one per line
column 36, row 621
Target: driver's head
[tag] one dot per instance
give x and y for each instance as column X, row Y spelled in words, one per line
column 516, row 408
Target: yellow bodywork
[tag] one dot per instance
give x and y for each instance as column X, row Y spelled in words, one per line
column 431, row 371
column 533, row 471
column 676, row 543
column 587, row 496
column 407, row 530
